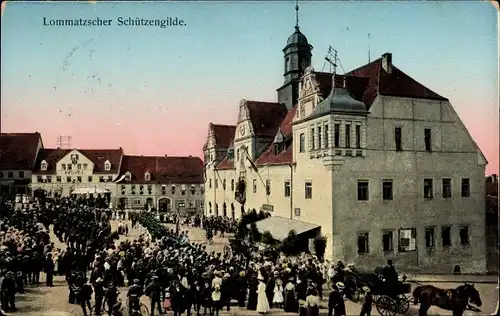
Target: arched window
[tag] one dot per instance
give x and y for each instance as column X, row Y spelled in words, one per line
column 224, row 209
column 216, row 209
column 210, row 207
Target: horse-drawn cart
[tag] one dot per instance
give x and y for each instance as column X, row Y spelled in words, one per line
column 388, row 304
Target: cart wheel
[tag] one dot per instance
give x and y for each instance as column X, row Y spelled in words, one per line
column 403, row 304
column 386, row 306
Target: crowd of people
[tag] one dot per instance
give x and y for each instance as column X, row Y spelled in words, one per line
column 175, row 273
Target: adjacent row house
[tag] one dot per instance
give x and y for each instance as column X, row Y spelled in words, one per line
column 373, row 160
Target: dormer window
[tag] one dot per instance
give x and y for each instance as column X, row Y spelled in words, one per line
column 44, row 165
column 279, row 148
column 128, row 176
column 107, row 165
column 193, row 189
column 147, row 176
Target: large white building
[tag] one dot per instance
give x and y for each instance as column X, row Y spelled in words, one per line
column 373, row 160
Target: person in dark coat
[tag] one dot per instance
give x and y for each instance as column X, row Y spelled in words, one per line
column 99, row 296
column 154, row 291
column 336, row 301
column 366, row 308
column 177, row 293
column 207, row 297
column 241, row 288
column 226, row 292
column 290, row 303
column 49, row 270
column 85, row 294
column 252, row 293
column 9, row 292
column 111, row 296
column 271, row 282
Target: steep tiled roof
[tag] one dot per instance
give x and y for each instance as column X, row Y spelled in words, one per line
column 163, row 169
column 97, row 156
column 225, row 164
column 224, row 134
column 18, row 150
column 266, row 117
column 286, row 156
column 397, row 83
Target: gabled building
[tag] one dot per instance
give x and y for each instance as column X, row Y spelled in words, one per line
column 59, row 172
column 18, row 153
column 169, row 184
column 379, row 164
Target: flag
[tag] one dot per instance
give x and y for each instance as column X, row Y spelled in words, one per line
column 120, row 179
column 252, row 164
column 205, row 166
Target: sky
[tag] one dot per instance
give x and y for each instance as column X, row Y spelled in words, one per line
column 153, row 91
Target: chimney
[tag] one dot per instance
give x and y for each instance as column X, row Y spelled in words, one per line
column 387, row 63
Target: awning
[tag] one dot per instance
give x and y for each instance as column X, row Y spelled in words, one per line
column 279, row 226
column 90, row 191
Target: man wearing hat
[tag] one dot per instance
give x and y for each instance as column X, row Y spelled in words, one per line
column 336, row 301
column 111, row 296
column 134, row 294
column 154, row 291
column 366, row 308
column 98, row 295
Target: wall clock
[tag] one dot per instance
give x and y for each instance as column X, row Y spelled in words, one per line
column 242, row 130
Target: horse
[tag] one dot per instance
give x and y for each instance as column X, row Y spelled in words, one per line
column 455, row 300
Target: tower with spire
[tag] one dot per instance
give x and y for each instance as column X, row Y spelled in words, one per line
column 297, row 58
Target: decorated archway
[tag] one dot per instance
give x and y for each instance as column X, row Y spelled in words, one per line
column 164, row 204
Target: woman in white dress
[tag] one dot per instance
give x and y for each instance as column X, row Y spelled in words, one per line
column 262, row 302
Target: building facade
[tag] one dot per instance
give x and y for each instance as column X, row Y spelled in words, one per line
column 18, row 153
column 167, row 184
column 59, row 172
column 383, row 164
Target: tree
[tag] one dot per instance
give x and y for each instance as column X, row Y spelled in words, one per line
column 320, row 246
column 290, row 243
column 268, row 239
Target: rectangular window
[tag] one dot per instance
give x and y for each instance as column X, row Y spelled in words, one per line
column 90, row 178
column 446, row 188
column 336, row 132
column 63, row 166
column 302, row 144
column 465, row 187
column 313, row 139
column 84, row 166
column 232, row 184
column 363, row 246
column 347, row 136
column 288, row 189
column 268, row 187
column 388, row 241
column 387, row 190
column 427, row 133
column 69, row 166
column 216, row 183
column 58, row 179
column 308, row 190
column 428, row 189
column 446, row 236
column 79, row 179
column 79, row 166
column 319, row 137
column 49, row 179
column 297, row 211
column 430, row 239
column 327, row 143
column 101, row 178
column 10, row 174
column 464, row 235
column 68, row 179
column 254, row 186
column 21, row 174
column 224, row 184
column 358, row 136
column 363, row 193
column 39, row 179
column 210, row 183
column 397, row 136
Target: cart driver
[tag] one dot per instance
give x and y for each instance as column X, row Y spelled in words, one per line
column 390, row 276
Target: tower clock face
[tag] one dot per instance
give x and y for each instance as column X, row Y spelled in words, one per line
column 242, row 130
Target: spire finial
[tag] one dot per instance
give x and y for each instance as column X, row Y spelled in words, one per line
column 297, row 14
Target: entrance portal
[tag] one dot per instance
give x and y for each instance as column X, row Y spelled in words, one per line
column 164, row 205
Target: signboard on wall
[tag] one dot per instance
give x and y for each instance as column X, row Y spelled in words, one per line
column 267, row 207
column 407, row 239
column 73, row 172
